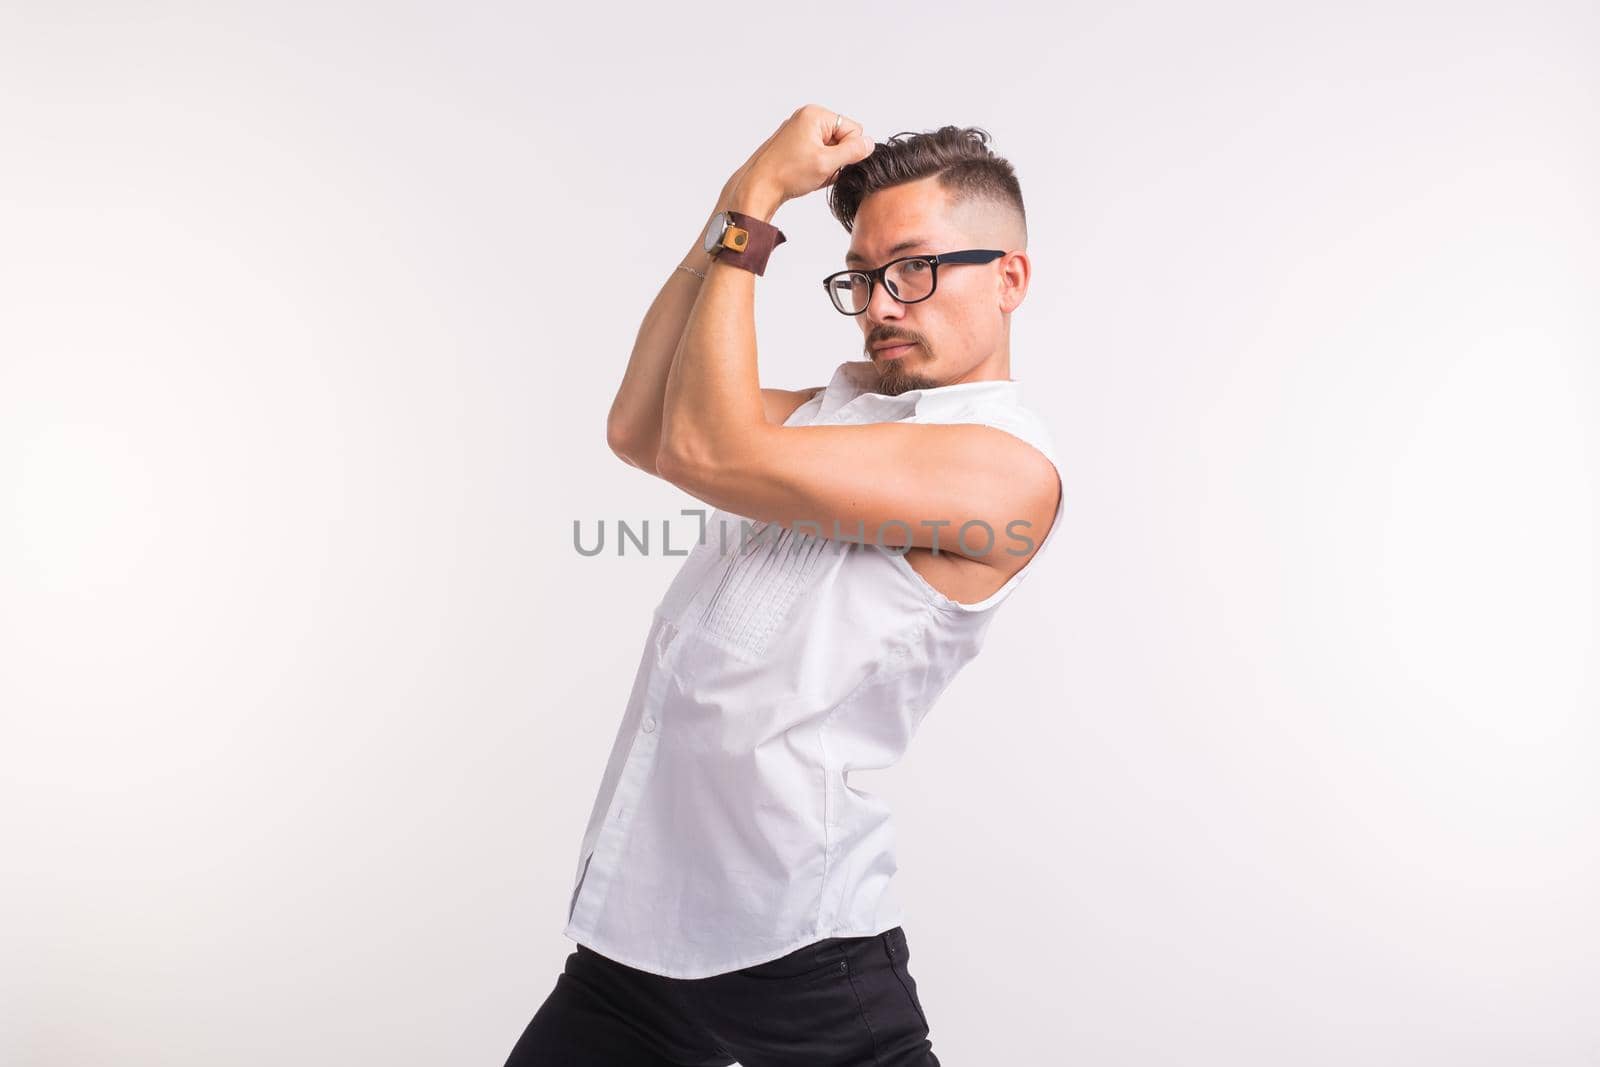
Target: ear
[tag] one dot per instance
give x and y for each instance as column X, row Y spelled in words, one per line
column 1014, row 274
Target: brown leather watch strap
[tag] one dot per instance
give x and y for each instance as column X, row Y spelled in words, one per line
column 759, row 239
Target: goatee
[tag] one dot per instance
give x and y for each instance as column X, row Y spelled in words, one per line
column 895, row 378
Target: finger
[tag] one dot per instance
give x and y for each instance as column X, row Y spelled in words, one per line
column 847, row 127
column 853, row 149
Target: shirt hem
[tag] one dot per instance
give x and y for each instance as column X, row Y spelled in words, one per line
column 628, row 959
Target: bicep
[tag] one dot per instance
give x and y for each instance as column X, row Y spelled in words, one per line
column 894, row 484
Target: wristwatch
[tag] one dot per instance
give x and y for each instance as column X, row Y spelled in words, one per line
column 742, row 240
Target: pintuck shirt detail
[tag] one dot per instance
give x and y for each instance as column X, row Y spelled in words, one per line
column 726, row 832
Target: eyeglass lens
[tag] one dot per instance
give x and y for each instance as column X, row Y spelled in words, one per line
column 909, row 280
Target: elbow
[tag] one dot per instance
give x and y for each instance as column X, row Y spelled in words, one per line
column 621, row 438
column 618, row 438
column 671, row 464
column 629, row 450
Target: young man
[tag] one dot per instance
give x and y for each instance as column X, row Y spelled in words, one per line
column 732, row 899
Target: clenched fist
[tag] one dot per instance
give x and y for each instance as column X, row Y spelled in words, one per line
column 803, row 155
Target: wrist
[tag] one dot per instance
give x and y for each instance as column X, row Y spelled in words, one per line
column 754, row 198
column 698, row 257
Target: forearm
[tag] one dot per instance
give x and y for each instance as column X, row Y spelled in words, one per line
column 713, row 405
column 633, row 426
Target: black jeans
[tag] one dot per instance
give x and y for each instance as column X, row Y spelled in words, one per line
column 840, row 1002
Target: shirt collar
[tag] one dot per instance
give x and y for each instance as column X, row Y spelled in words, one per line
column 848, row 397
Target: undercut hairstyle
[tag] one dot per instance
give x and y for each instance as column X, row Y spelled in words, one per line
column 967, row 170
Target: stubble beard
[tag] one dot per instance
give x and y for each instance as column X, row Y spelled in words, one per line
column 895, row 377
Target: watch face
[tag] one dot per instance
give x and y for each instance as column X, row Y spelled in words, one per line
column 719, row 222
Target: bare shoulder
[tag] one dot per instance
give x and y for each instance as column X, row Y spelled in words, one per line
column 781, row 403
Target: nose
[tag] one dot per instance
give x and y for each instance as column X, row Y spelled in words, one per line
column 881, row 307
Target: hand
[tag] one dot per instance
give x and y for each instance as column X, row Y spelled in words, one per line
column 803, row 155
column 732, row 185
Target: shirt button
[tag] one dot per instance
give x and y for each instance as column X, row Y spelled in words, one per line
column 649, row 723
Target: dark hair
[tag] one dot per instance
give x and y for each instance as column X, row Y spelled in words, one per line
column 961, row 158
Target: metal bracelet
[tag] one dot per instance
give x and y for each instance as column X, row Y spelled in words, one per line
column 691, row 270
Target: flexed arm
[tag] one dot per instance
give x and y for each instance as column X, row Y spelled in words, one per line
column 633, row 426
column 894, row 483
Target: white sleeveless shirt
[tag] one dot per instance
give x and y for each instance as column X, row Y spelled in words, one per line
column 725, row 832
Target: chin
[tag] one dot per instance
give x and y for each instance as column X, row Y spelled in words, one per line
column 895, row 376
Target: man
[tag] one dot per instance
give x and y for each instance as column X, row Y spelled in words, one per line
column 732, row 902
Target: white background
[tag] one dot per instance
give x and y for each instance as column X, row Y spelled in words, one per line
column 310, row 316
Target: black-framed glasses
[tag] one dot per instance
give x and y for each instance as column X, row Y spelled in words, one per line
column 908, row 279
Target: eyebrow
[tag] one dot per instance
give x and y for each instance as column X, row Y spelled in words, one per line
column 903, row 246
